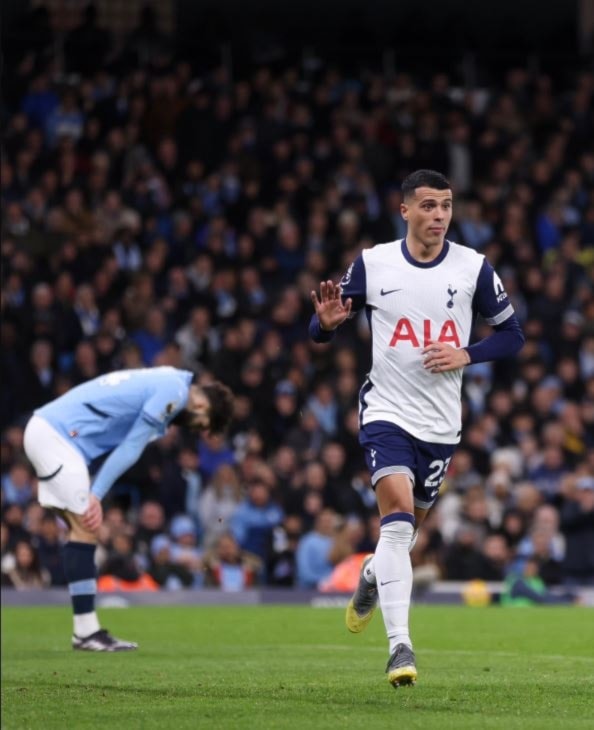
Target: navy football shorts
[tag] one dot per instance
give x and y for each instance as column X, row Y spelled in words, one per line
column 391, row 450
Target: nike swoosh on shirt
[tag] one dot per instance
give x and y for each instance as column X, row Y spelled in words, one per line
column 390, row 291
column 385, row 583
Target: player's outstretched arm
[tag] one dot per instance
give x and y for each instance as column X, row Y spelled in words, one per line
column 329, row 307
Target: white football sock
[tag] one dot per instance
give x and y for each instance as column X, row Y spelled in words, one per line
column 369, row 572
column 394, row 579
column 85, row 624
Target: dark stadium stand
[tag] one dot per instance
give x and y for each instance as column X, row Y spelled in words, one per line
column 170, row 205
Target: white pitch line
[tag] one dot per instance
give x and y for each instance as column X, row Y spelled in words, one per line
column 459, row 652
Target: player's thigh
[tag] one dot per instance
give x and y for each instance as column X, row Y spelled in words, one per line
column 77, row 531
column 394, row 494
column 63, row 476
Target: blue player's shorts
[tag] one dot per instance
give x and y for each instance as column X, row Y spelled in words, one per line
column 63, row 475
column 391, row 450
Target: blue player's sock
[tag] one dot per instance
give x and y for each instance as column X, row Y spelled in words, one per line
column 79, row 568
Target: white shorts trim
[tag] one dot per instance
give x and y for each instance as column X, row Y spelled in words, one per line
column 421, row 504
column 51, row 454
column 387, row 470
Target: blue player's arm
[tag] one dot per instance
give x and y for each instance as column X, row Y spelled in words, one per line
column 124, row 456
column 492, row 303
column 354, row 286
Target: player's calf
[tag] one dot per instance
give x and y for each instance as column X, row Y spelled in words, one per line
column 364, row 601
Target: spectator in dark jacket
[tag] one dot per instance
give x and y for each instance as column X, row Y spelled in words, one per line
column 577, row 525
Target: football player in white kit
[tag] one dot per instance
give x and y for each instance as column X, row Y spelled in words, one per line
column 421, row 296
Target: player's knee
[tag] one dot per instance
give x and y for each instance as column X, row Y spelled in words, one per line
column 397, row 530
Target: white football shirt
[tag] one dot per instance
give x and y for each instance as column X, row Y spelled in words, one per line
column 409, row 304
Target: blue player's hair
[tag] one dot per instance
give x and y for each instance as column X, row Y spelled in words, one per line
column 424, row 179
column 221, row 401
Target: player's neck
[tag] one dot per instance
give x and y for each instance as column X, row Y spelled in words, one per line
column 423, row 252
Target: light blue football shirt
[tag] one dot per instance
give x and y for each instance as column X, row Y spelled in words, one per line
column 96, row 416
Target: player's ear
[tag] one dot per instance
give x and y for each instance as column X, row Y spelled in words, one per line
column 404, row 211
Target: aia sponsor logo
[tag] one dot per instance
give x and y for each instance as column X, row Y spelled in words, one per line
column 500, row 292
column 405, row 331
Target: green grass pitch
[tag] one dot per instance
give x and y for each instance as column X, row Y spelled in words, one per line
column 298, row 667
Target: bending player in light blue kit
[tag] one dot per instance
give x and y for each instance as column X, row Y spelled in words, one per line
column 118, row 413
column 421, row 296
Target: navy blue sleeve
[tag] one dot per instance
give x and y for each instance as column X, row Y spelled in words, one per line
column 506, row 341
column 354, row 285
column 492, row 303
column 316, row 332
column 490, row 298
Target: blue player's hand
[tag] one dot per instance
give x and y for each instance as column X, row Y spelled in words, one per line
column 93, row 517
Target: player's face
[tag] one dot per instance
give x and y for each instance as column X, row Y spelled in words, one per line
column 428, row 214
column 196, row 415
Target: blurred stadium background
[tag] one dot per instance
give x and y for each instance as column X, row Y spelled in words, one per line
column 177, row 177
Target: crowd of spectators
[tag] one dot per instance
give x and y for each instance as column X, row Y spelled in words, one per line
column 156, row 213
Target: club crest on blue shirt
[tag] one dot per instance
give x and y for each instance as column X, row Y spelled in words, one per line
column 451, row 292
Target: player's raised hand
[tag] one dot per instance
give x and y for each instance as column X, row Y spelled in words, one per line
column 439, row 357
column 330, row 308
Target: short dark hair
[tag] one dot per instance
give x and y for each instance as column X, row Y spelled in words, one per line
column 424, row 179
column 220, row 398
